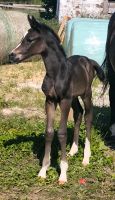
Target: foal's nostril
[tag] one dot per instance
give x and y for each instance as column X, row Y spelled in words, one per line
column 11, row 56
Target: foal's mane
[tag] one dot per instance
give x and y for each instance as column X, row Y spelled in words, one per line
column 49, row 29
column 46, row 29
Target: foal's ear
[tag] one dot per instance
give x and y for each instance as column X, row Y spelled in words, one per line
column 34, row 23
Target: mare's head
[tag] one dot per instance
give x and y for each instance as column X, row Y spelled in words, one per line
column 36, row 41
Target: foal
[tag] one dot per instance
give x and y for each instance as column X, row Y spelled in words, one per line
column 65, row 80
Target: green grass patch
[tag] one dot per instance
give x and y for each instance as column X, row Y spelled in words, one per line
column 22, row 140
column 22, row 148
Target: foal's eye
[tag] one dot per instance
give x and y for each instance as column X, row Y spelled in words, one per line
column 29, row 40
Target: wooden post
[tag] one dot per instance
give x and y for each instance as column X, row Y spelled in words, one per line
column 61, row 32
column 105, row 7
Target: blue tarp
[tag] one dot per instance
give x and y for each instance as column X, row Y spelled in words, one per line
column 86, row 36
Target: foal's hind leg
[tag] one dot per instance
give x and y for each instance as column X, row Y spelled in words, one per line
column 88, row 121
column 62, row 135
column 77, row 114
column 50, row 111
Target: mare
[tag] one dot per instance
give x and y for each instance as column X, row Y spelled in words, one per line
column 65, row 80
column 109, row 66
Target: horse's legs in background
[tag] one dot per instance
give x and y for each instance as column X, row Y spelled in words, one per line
column 50, row 112
column 88, row 121
column 77, row 114
column 112, row 102
column 112, row 99
column 112, row 106
column 65, row 105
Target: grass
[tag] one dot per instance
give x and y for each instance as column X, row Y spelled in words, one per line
column 22, row 144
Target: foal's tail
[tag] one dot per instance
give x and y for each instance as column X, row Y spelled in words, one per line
column 99, row 71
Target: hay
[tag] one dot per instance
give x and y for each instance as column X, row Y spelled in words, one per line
column 13, row 26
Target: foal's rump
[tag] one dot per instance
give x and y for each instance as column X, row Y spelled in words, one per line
column 86, row 67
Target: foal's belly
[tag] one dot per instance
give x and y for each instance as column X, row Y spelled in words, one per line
column 79, row 85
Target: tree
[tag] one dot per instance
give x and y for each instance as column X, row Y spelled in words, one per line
column 50, row 7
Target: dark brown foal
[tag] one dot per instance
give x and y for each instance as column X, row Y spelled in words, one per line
column 65, row 80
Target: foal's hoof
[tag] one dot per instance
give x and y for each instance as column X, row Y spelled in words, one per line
column 62, row 182
column 71, row 153
column 85, row 163
column 42, row 175
column 73, row 150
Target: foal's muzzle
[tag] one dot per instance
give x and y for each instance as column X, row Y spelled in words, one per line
column 13, row 58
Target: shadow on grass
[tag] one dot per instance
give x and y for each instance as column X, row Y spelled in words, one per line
column 101, row 122
column 38, row 143
column 38, row 146
column 101, row 119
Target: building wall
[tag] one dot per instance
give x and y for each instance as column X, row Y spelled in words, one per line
column 85, row 8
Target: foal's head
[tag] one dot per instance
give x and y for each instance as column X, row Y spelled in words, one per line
column 36, row 41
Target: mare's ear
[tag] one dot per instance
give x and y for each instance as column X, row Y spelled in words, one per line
column 34, row 23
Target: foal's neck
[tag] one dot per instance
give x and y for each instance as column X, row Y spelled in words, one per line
column 54, row 60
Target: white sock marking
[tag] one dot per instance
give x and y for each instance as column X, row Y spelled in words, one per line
column 63, row 175
column 87, row 152
column 74, row 149
column 46, row 164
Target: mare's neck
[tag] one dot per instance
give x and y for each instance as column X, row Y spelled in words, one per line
column 55, row 61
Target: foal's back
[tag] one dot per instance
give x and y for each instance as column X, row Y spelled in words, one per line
column 82, row 74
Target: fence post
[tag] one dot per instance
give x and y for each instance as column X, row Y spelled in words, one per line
column 105, row 7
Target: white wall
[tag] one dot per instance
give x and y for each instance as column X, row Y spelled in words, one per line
column 86, row 8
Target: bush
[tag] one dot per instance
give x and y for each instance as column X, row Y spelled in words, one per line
column 50, row 7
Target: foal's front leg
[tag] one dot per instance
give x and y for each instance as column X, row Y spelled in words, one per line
column 62, row 135
column 50, row 112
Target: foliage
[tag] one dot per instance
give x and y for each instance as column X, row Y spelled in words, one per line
column 50, row 7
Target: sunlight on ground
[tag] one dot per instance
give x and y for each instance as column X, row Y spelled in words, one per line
column 23, row 80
